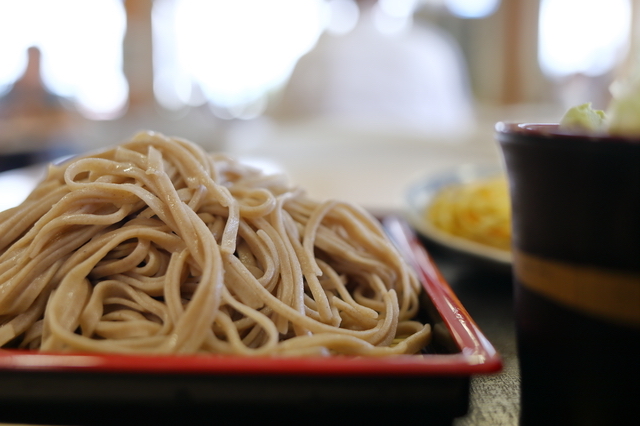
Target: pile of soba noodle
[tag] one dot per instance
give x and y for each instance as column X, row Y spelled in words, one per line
column 156, row 246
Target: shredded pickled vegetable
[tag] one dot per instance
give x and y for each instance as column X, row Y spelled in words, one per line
column 479, row 211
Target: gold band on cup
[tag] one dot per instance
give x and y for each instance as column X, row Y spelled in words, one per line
column 609, row 294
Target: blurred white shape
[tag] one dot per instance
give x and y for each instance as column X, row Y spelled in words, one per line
column 391, row 23
column 398, row 8
column 343, row 16
column 582, row 36
column 414, row 79
column 472, row 9
column 81, row 45
column 229, row 53
column 15, row 185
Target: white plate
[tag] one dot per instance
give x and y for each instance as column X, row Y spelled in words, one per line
column 420, row 194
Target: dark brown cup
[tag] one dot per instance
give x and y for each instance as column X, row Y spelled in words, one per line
column 576, row 246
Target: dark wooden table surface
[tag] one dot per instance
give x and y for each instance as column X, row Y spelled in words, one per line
column 486, row 293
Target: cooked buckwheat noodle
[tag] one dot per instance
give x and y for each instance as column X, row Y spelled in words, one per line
column 156, row 246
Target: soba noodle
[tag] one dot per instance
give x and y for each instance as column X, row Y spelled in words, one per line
column 156, row 246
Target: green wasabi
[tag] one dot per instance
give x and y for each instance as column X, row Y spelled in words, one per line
column 621, row 119
column 584, row 119
column 624, row 113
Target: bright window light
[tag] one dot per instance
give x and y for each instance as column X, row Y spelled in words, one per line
column 393, row 16
column 229, row 53
column 582, row 36
column 81, row 45
column 472, row 9
column 398, row 8
column 343, row 16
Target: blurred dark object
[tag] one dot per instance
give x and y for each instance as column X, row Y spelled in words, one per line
column 35, row 124
column 576, row 244
column 18, row 160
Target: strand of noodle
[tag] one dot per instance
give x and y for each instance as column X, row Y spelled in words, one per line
column 283, row 286
column 344, row 253
column 153, row 286
column 191, row 163
column 228, row 241
column 236, row 278
column 244, row 323
column 265, row 251
column 139, row 175
column 87, row 171
column 32, row 336
column 126, row 315
column 255, row 338
column 21, row 323
column 232, row 338
column 345, row 296
column 261, row 321
column 121, row 265
column 351, row 316
column 177, row 209
column 19, row 288
column 151, row 200
column 246, row 256
column 189, row 166
column 133, row 302
column 25, row 291
column 310, row 230
column 108, row 292
column 272, row 262
column 232, row 343
column 191, row 328
column 26, row 214
column 410, row 291
column 383, row 336
column 373, row 243
column 286, row 227
column 362, row 293
column 49, row 227
column 83, row 263
column 154, row 264
column 63, row 312
column 353, row 346
column 295, row 316
column 310, row 308
column 309, row 267
column 197, row 198
column 294, row 295
column 361, row 217
column 122, row 154
column 134, row 329
column 127, row 346
column 173, row 279
column 257, row 202
column 101, row 244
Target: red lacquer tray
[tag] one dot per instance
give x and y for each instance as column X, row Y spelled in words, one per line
column 68, row 388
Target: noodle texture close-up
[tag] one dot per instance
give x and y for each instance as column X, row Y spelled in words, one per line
column 156, row 246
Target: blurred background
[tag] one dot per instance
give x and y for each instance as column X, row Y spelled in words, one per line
column 276, row 77
column 353, row 99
